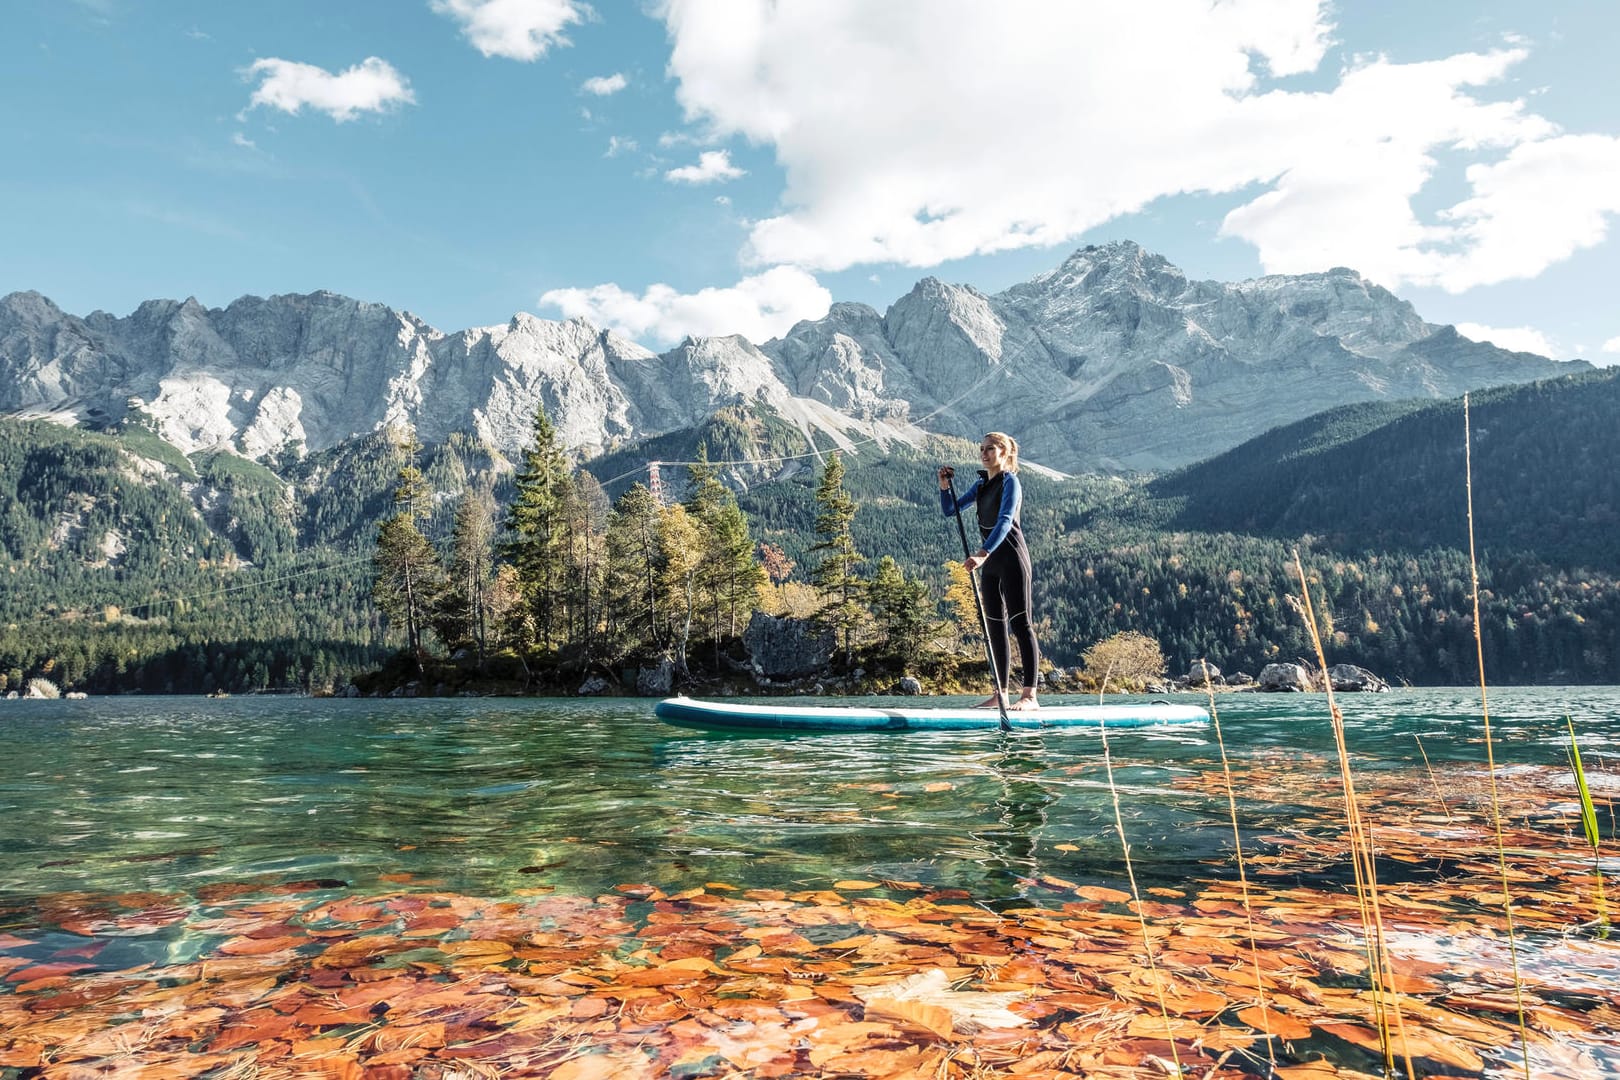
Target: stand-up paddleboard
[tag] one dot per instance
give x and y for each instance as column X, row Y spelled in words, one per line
column 731, row 716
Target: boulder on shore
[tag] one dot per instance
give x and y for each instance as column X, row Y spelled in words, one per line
column 1285, row 678
column 1202, row 671
column 41, row 689
column 656, row 681
column 908, row 685
column 782, row 647
column 1348, row 678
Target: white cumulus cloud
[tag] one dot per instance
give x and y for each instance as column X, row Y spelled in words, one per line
column 713, row 166
column 603, row 85
column 760, row 307
column 369, row 86
column 1515, row 338
column 515, row 29
column 1612, row 345
column 917, row 131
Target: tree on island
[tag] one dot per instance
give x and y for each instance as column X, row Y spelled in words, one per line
column 905, row 615
column 536, row 537
column 408, row 581
column 1129, row 660
column 834, row 575
column 634, row 567
column 729, row 573
column 465, row 613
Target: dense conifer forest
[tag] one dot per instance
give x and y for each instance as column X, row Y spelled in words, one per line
column 130, row 567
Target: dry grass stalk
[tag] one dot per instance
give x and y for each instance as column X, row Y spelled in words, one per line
column 1243, row 872
column 1441, row 795
column 1136, row 894
column 1490, row 753
column 1380, row 970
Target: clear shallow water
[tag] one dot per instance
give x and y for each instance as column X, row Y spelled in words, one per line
column 492, row 796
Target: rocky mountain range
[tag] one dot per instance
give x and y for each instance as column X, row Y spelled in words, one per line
column 1114, row 360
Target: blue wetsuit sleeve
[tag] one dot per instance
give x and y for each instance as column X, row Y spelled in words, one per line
column 968, row 498
column 1012, row 497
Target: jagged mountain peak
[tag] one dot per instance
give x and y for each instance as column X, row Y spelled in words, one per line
column 30, row 307
column 1113, row 359
column 1122, row 266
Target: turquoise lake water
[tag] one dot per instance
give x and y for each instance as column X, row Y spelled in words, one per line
column 488, row 796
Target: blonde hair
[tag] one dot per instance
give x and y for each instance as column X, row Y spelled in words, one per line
column 1010, row 445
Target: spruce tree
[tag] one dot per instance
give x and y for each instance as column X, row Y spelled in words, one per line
column 904, row 614
column 466, row 606
column 535, row 543
column 834, row 573
column 633, row 570
column 407, row 581
column 585, row 511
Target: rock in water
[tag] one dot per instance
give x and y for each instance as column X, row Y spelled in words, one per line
column 1284, row 678
column 782, row 647
column 1348, row 678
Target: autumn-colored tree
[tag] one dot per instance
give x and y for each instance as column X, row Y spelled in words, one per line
column 965, row 619
column 1126, row 661
column 778, row 567
column 680, row 551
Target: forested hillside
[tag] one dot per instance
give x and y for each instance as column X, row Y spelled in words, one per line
column 1391, row 476
column 131, row 567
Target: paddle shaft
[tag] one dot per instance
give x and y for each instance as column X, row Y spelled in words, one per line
column 978, row 606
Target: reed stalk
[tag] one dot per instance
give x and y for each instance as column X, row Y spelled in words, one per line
column 1441, row 795
column 1243, row 873
column 1588, row 819
column 1380, row 971
column 1490, row 752
column 1136, row 895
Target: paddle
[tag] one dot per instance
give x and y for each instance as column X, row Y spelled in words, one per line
column 978, row 605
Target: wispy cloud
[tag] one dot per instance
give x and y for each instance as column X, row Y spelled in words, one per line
column 619, row 145
column 603, row 85
column 370, row 86
column 242, row 140
column 188, row 220
column 1612, row 345
column 968, row 132
column 515, row 29
column 713, row 167
column 759, row 307
column 1514, row 338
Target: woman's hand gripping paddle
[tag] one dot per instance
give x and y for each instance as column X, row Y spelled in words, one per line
column 978, row 605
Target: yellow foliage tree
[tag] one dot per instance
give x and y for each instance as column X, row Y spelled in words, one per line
column 1126, row 661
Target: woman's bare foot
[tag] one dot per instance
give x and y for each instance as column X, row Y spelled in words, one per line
column 1026, row 702
column 990, row 702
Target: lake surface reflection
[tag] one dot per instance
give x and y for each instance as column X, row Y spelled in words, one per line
column 492, row 795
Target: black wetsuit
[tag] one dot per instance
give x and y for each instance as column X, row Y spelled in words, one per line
column 1008, row 592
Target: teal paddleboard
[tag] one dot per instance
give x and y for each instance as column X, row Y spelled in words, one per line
column 732, row 716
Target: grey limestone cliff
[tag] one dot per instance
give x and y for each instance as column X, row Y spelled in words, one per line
column 1115, row 360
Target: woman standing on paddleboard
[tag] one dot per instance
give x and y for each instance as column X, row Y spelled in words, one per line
column 1002, row 560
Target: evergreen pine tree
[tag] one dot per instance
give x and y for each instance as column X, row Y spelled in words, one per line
column 905, row 616
column 834, row 574
column 633, row 570
column 466, row 605
column 536, row 530
column 585, row 510
column 407, row 582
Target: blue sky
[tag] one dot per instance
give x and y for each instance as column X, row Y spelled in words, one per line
column 734, row 165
